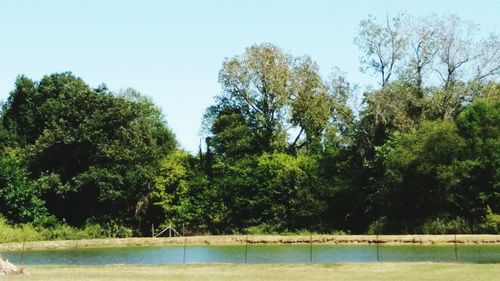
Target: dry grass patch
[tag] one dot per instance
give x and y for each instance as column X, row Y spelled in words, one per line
column 255, row 239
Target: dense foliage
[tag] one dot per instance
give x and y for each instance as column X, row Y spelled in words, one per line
column 284, row 149
column 77, row 153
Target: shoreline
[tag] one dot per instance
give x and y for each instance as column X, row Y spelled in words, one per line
column 253, row 239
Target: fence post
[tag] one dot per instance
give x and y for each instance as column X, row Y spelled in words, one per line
column 184, row 254
column 246, row 246
column 376, row 241
column 456, row 252
column 21, row 262
column 310, row 248
column 76, row 248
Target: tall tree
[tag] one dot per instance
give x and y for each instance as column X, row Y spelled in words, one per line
column 97, row 151
column 278, row 97
column 417, row 182
column 258, row 84
column 382, row 45
column 456, row 49
column 479, row 125
column 423, row 47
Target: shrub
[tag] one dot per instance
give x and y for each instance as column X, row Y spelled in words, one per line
column 25, row 232
column 116, row 229
column 50, row 229
column 491, row 223
column 444, row 225
column 91, row 231
column 381, row 225
column 60, row 232
column 263, row 228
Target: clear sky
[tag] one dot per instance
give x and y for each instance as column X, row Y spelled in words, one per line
column 172, row 50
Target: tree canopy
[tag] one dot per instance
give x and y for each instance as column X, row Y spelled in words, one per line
column 285, row 149
column 92, row 154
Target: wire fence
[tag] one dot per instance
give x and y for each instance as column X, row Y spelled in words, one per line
column 252, row 249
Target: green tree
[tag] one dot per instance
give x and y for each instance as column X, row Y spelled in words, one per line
column 231, row 136
column 96, row 151
column 274, row 93
column 290, row 192
column 479, row 125
column 20, row 197
column 424, row 176
column 171, row 187
column 258, row 84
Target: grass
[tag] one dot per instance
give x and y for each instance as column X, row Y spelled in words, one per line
column 302, row 272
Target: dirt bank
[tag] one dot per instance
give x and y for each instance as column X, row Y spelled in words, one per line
column 255, row 239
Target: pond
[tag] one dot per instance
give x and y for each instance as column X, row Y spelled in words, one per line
column 262, row 254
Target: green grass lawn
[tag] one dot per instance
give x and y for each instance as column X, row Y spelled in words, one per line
column 288, row 272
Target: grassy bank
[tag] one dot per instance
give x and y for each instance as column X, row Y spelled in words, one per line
column 221, row 272
column 254, row 239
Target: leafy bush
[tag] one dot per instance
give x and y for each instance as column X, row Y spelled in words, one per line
column 60, row 232
column 443, row 225
column 91, row 231
column 379, row 226
column 46, row 222
column 491, row 223
column 116, row 229
column 48, row 229
column 263, row 228
column 15, row 234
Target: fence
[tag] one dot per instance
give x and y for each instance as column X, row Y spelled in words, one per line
column 292, row 249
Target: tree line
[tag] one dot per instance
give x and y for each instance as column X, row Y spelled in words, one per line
column 285, row 149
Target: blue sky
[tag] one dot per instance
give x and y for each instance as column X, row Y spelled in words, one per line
column 172, row 50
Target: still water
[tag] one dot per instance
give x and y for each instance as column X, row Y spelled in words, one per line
column 262, row 254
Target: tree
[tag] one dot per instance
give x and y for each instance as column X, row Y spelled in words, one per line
column 19, row 114
column 479, row 125
column 274, row 93
column 419, row 180
column 408, row 47
column 20, row 197
column 443, row 168
column 289, row 192
column 275, row 192
column 311, row 105
column 382, row 45
column 340, row 94
column 258, row 84
column 394, row 108
column 95, row 150
column 171, row 187
column 456, row 49
column 488, row 65
column 423, row 47
column 231, row 137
